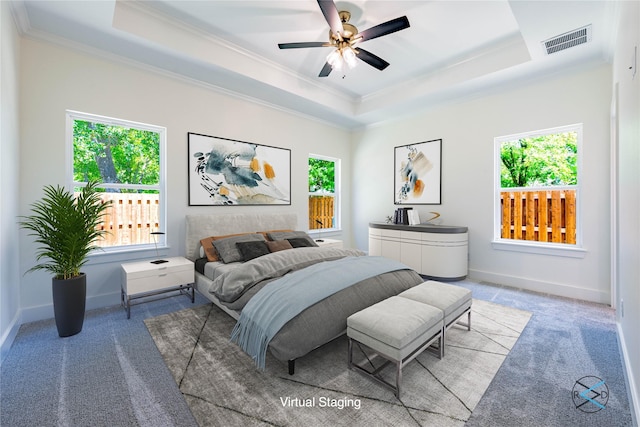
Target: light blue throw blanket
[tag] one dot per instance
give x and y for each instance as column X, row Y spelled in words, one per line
column 283, row 299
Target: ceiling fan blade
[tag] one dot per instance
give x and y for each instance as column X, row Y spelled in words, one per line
column 326, row 70
column 371, row 59
column 302, row 45
column 330, row 12
column 383, row 29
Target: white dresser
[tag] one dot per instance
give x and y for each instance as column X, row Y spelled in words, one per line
column 436, row 251
column 145, row 278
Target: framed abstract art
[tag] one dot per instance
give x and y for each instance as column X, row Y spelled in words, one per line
column 229, row 172
column 418, row 173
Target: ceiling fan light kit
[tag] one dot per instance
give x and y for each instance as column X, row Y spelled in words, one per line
column 349, row 57
column 335, row 59
column 342, row 55
column 344, row 37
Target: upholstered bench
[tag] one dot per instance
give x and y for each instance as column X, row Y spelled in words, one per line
column 398, row 329
column 454, row 301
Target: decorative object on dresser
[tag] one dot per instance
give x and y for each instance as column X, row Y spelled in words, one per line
column 143, row 279
column 407, row 216
column 66, row 227
column 418, row 173
column 226, row 171
column 439, row 252
column 435, row 216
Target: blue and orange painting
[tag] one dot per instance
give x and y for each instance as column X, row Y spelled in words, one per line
column 418, row 173
column 230, row 172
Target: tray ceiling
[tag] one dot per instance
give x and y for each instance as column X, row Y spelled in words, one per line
column 452, row 51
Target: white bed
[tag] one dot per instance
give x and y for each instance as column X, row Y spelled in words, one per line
column 201, row 226
column 318, row 323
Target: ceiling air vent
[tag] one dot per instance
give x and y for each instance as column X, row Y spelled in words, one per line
column 567, row 40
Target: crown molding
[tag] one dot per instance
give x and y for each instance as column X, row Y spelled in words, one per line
column 20, row 16
column 41, row 36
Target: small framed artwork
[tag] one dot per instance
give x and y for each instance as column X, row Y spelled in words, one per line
column 418, row 173
column 229, row 172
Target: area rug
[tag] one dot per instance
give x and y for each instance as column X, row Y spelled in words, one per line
column 222, row 385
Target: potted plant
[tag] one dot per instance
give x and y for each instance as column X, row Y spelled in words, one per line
column 65, row 227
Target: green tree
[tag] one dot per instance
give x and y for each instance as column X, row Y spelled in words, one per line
column 545, row 160
column 115, row 154
column 321, row 175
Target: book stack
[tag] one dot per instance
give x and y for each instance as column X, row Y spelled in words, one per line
column 406, row 216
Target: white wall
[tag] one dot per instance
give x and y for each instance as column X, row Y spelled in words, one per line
column 9, row 147
column 55, row 78
column 468, row 132
column 628, row 194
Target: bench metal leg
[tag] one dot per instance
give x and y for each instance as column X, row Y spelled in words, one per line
column 375, row 373
column 398, row 378
column 456, row 320
column 468, row 324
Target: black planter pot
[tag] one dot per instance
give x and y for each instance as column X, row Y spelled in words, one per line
column 69, row 296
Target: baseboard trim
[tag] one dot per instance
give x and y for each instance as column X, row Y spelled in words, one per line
column 632, row 387
column 10, row 335
column 43, row 312
column 558, row 289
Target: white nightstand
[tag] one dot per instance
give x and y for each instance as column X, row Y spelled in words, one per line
column 329, row 243
column 144, row 278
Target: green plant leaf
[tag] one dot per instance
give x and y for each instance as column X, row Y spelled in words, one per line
column 65, row 228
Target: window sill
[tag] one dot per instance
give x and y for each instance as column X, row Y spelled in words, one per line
column 125, row 254
column 552, row 249
column 319, row 233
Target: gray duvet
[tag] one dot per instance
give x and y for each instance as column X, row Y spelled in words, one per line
column 321, row 322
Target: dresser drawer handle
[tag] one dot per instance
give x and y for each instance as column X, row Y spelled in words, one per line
column 162, row 275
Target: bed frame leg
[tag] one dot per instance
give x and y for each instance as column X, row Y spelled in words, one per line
column 292, row 366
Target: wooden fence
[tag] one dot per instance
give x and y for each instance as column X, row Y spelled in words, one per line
column 541, row 215
column 131, row 219
column 320, row 209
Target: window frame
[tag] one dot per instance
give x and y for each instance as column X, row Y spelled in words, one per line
column 161, row 243
column 545, row 248
column 336, row 191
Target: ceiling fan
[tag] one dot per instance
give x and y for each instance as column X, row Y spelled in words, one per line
column 344, row 38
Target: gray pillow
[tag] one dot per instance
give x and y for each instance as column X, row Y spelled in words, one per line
column 286, row 235
column 251, row 250
column 299, row 242
column 227, row 249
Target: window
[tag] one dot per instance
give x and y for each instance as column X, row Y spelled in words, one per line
column 537, row 188
column 128, row 159
column 324, row 191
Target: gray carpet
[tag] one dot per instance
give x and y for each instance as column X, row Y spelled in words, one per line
column 223, row 387
column 80, row 381
column 110, row 374
column 564, row 341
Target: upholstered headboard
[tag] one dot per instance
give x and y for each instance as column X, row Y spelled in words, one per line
column 201, row 226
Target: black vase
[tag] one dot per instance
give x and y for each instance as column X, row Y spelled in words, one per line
column 69, row 296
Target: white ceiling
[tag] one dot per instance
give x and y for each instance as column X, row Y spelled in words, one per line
column 452, row 51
